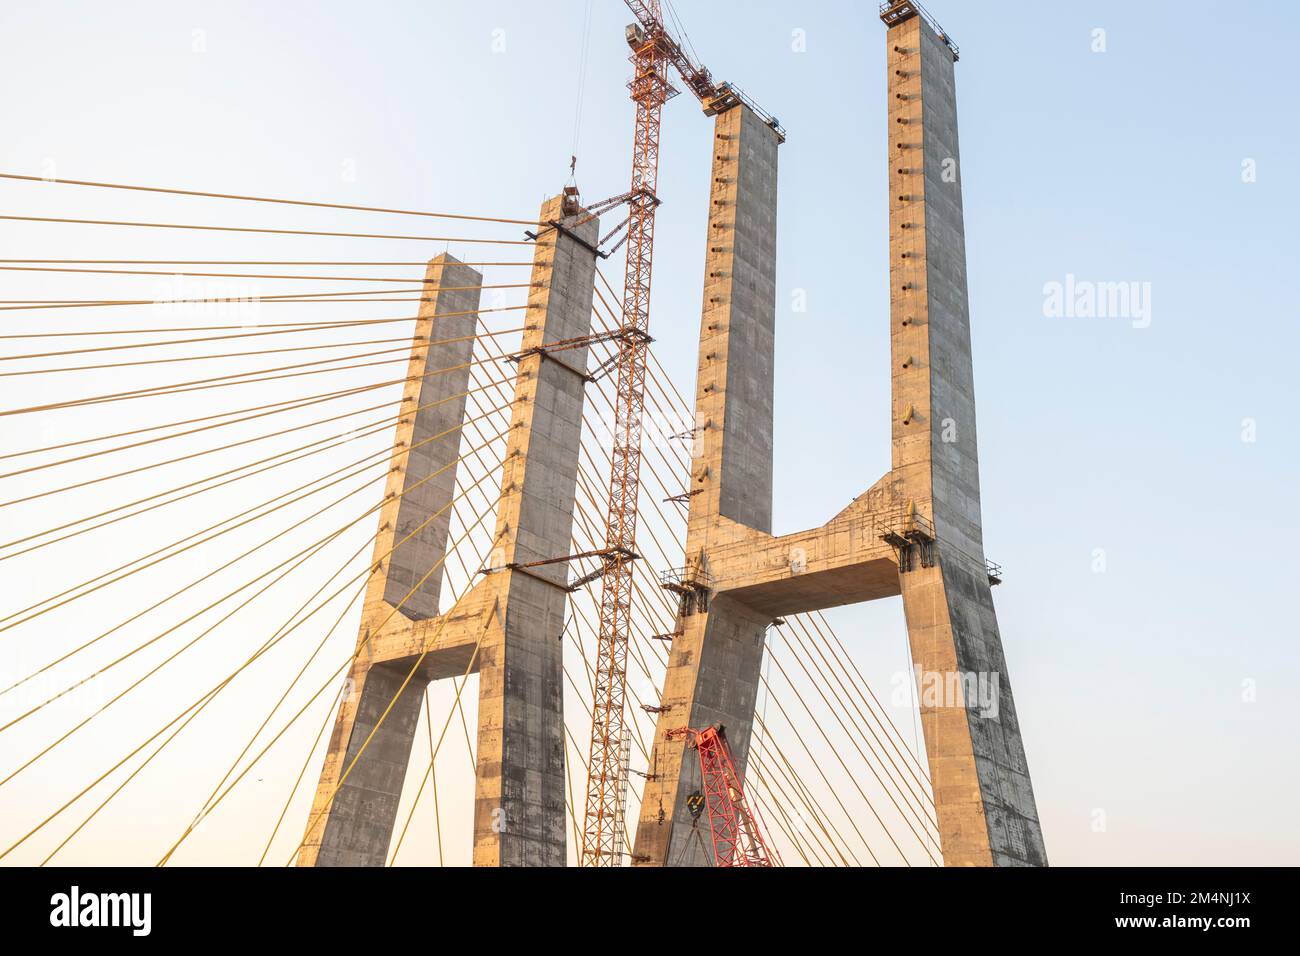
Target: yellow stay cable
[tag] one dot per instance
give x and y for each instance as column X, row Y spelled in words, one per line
column 220, row 448
column 861, row 684
column 920, row 839
column 240, row 275
column 315, row 485
column 302, row 771
column 265, row 199
column 216, row 689
column 246, row 335
column 290, row 328
column 221, row 381
column 351, row 658
column 281, row 406
column 288, row 298
column 843, row 698
column 64, row 593
column 815, row 809
column 201, row 705
column 252, row 353
column 284, row 697
column 263, row 231
column 422, row 263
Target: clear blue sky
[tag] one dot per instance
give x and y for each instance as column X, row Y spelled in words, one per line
column 1123, row 165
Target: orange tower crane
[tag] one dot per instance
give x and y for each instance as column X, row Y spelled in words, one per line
column 654, row 53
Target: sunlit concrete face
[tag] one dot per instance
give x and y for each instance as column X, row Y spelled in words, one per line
column 983, row 796
column 507, row 627
column 713, row 667
column 916, row 532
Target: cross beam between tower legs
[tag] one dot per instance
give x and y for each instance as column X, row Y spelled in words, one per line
column 506, row 629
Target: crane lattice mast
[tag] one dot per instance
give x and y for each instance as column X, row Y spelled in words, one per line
column 654, row 53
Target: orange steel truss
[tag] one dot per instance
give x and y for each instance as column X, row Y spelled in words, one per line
column 650, row 89
column 654, row 52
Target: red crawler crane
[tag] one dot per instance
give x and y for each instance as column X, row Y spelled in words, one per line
column 737, row 832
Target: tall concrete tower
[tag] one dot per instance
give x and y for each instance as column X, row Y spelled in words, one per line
column 915, row 533
column 507, row 628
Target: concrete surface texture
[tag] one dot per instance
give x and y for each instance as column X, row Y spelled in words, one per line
column 916, row 532
column 507, row 627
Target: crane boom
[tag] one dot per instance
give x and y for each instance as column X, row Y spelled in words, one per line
column 696, row 77
column 654, row 53
column 733, row 824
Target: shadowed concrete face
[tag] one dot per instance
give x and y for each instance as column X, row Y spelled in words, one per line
column 352, row 827
column 916, row 532
column 519, row 797
column 507, row 627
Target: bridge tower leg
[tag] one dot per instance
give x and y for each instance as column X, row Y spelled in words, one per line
column 985, row 802
column 355, row 829
column 507, row 628
column 714, row 665
column 916, row 532
column 519, row 806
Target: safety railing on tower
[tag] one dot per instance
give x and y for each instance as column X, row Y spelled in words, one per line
column 900, row 10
